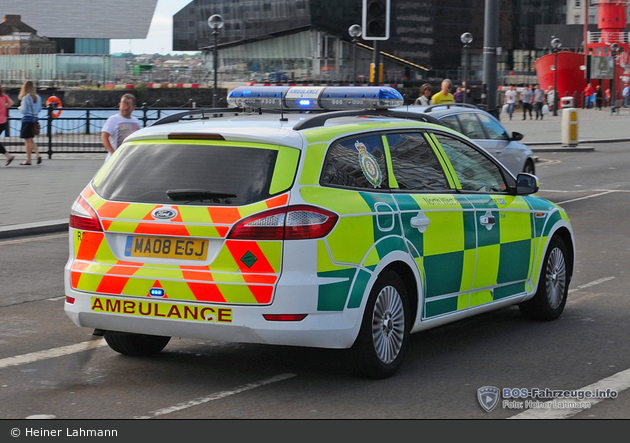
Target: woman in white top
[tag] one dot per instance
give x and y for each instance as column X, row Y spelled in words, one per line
column 426, row 92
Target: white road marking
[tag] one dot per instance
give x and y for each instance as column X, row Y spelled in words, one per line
column 51, row 353
column 215, row 396
column 30, row 239
column 586, row 197
column 617, row 382
column 593, row 283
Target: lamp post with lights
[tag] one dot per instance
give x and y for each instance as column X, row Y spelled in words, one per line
column 215, row 22
column 355, row 32
column 466, row 39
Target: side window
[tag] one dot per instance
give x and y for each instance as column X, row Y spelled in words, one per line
column 415, row 165
column 471, row 127
column 475, row 171
column 493, row 128
column 452, row 122
column 357, row 162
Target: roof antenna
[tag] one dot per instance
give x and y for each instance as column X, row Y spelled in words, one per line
column 282, row 117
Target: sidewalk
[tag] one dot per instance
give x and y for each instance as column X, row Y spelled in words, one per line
column 36, row 199
column 594, row 126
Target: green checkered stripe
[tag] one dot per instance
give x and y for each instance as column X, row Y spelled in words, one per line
column 446, row 251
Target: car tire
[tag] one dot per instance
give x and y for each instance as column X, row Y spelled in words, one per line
column 553, row 285
column 135, row 345
column 529, row 167
column 383, row 339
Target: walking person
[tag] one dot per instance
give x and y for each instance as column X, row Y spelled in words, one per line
column 30, row 107
column 539, row 101
column 626, row 96
column 510, row 100
column 527, row 97
column 598, row 97
column 119, row 126
column 5, row 104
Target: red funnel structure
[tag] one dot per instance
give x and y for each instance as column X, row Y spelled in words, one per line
column 572, row 66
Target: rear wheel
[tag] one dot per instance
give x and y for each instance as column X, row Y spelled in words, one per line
column 383, row 339
column 553, row 287
column 135, row 345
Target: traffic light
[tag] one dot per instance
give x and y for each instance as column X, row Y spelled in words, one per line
column 375, row 19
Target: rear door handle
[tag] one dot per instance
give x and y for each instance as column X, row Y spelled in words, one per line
column 421, row 222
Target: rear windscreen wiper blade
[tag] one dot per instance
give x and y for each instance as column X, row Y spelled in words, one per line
column 196, row 194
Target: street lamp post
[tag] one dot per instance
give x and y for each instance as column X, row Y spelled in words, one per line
column 555, row 44
column 355, row 32
column 215, row 22
column 466, row 39
column 613, row 49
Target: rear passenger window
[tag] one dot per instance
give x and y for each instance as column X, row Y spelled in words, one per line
column 452, row 122
column 357, row 162
column 415, row 165
column 475, row 171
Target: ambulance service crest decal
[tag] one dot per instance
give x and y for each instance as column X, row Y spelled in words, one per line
column 369, row 165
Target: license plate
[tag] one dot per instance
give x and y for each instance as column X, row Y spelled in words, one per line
column 166, row 247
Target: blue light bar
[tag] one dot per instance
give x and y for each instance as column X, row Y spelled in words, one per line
column 315, row 97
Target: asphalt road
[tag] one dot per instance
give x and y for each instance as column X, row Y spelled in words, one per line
column 51, row 368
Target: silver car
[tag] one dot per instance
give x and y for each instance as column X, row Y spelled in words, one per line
column 487, row 132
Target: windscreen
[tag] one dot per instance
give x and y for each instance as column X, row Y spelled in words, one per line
column 190, row 174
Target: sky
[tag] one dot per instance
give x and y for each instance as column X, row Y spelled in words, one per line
column 160, row 37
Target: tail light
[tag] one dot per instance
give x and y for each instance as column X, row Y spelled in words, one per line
column 83, row 217
column 290, row 223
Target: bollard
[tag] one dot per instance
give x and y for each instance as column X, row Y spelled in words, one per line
column 569, row 127
column 566, row 102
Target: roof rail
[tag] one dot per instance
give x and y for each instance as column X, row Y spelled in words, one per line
column 204, row 114
column 321, row 119
column 448, row 105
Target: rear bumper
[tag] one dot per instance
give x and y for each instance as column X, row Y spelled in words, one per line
column 246, row 323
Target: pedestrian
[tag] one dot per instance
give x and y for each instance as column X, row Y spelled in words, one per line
column 626, row 96
column 510, row 100
column 30, row 107
column 588, row 92
column 459, row 95
column 539, row 101
column 5, row 104
column 444, row 95
column 551, row 98
column 426, row 91
column 598, row 97
column 119, row 126
column 527, row 97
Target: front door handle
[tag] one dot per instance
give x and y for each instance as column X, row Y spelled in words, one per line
column 421, row 222
column 488, row 220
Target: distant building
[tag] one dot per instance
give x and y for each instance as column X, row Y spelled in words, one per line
column 84, row 27
column 17, row 38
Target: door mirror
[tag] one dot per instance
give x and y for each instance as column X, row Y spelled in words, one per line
column 526, row 184
column 516, row 136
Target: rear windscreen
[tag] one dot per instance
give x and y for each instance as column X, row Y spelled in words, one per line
column 191, row 174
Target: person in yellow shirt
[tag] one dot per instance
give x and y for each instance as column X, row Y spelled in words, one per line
column 444, row 95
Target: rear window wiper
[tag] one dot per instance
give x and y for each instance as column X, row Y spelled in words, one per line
column 197, row 195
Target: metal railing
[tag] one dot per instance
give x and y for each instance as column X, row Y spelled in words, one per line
column 77, row 130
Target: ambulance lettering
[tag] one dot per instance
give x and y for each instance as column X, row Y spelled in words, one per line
column 164, row 310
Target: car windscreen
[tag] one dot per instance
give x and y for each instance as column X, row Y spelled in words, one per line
column 195, row 174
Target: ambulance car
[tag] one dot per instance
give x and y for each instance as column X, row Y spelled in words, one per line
column 308, row 216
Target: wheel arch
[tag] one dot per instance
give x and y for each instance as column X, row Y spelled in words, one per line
column 408, row 278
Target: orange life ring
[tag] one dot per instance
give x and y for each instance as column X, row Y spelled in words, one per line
column 52, row 99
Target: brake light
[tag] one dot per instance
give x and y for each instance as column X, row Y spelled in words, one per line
column 284, row 317
column 83, row 217
column 299, row 222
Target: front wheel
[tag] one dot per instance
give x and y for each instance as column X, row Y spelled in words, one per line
column 383, row 338
column 135, row 345
column 529, row 167
column 553, row 285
